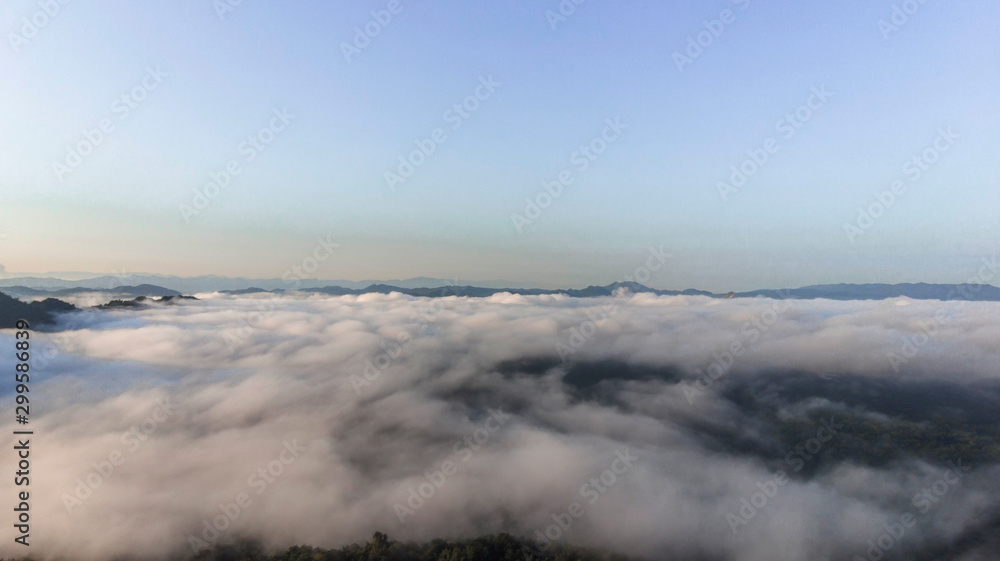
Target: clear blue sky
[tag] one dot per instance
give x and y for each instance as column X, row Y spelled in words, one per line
column 656, row 184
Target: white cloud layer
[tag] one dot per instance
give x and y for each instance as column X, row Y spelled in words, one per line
column 353, row 399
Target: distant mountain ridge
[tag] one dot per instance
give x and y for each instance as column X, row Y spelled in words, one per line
column 160, row 286
column 44, row 311
column 918, row 291
column 134, row 291
column 877, row 291
column 190, row 285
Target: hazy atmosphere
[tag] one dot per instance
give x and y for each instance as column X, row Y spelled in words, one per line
column 553, row 280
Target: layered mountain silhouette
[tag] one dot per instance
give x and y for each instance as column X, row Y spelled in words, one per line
column 918, row 291
column 161, row 285
column 134, row 291
column 210, row 283
column 43, row 311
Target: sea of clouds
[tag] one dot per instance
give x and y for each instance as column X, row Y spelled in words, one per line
column 637, row 423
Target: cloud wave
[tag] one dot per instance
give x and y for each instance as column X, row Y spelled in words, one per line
column 314, row 419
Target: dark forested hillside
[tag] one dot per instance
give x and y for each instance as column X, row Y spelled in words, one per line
column 501, row 547
column 35, row 313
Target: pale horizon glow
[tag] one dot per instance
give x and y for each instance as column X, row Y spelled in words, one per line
column 539, row 91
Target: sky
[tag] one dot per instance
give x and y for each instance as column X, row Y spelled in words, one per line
column 643, row 109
